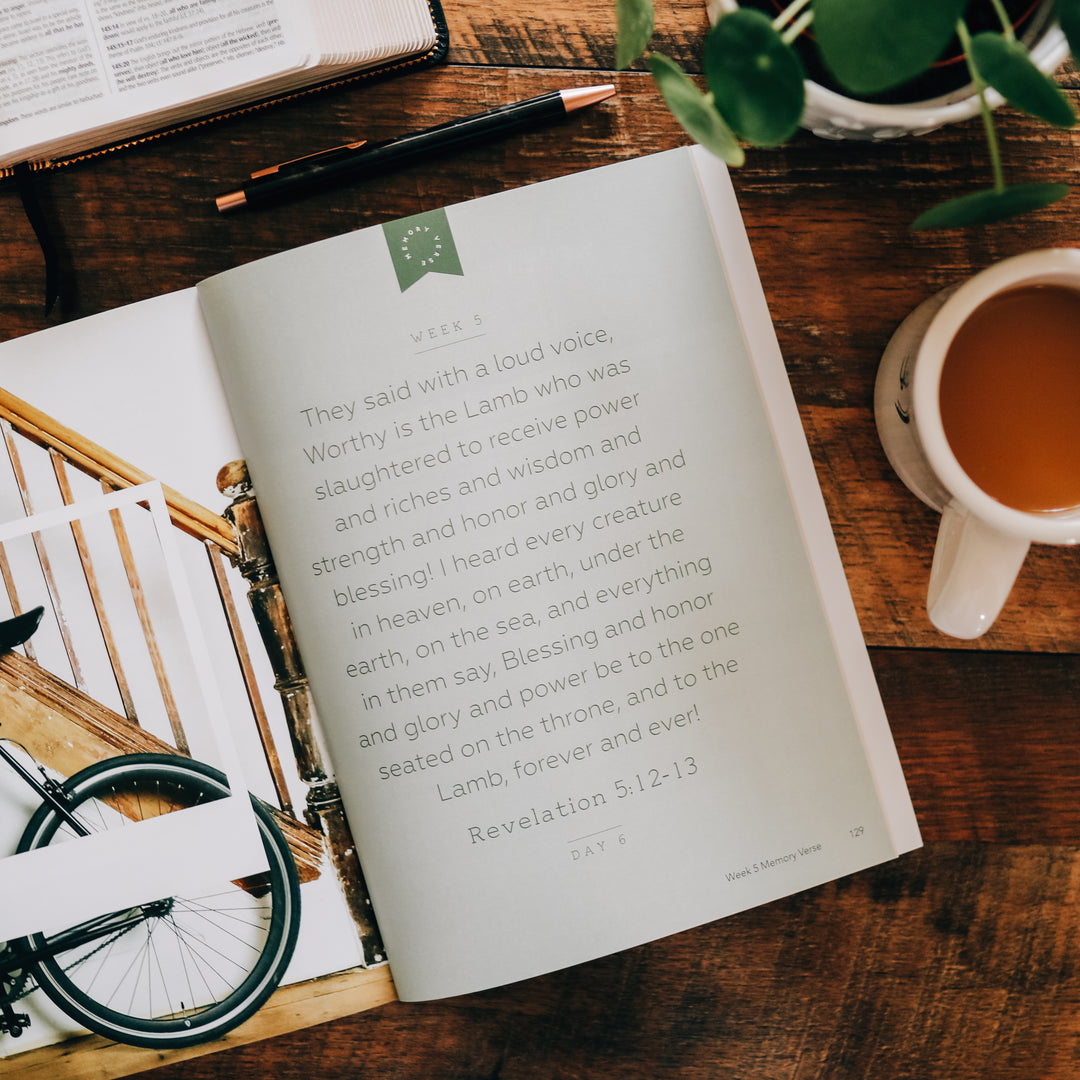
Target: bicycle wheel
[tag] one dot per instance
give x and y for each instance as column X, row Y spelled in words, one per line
column 178, row 971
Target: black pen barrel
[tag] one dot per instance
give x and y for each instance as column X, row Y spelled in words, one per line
column 397, row 153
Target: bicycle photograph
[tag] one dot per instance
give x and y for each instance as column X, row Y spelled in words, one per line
column 175, row 970
column 172, row 972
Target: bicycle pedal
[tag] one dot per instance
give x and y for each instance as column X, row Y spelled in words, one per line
column 13, row 1023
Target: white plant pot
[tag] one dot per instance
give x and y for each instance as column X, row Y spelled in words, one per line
column 834, row 116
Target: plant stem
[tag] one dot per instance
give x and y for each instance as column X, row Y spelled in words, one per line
column 789, row 13
column 797, row 27
column 985, row 111
column 1006, row 23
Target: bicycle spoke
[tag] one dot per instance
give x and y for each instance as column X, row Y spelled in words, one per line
column 181, row 969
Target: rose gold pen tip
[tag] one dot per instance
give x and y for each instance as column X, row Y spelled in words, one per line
column 232, row 200
column 581, row 96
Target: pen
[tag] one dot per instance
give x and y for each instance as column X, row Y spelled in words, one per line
column 358, row 159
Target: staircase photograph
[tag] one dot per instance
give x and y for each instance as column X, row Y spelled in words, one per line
column 96, row 682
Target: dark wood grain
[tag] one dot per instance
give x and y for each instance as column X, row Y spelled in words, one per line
column 962, row 960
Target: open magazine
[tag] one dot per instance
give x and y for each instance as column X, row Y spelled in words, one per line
column 551, row 540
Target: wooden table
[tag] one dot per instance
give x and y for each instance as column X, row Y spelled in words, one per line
column 960, row 960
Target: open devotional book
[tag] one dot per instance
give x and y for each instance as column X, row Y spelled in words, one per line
column 75, row 77
column 559, row 568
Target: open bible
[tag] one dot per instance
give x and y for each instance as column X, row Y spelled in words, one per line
column 562, row 578
column 75, row 77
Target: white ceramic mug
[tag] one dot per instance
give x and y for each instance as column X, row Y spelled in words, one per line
column 981, row 543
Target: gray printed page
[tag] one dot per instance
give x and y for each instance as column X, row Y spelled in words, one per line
column 566, row 641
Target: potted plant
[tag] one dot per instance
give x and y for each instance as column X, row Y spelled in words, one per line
column 877, row 68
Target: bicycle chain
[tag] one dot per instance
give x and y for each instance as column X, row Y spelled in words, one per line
column 19, row 989
column 15, row 988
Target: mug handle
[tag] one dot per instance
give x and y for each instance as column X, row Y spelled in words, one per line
column 973, row 571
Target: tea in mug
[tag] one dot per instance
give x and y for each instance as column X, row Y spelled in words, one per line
column 1010, row 397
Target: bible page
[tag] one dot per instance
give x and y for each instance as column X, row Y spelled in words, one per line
column 559, row 569
column 73, row 67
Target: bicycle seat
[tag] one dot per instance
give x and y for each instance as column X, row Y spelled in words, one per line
column 16, row 630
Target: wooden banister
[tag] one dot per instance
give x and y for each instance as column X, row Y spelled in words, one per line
column 96, row 461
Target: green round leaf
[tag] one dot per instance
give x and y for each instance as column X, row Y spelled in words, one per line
column 755, row 79
column 981, row 207
column 634, row 20
column 694, row 111
column 874, row 45
column 1007, row 67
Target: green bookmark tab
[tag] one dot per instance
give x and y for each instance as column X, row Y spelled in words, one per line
column 420, row 245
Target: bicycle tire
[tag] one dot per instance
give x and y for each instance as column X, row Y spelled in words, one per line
column 106, row 986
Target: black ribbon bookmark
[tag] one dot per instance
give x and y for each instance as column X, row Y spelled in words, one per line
column 38, row 222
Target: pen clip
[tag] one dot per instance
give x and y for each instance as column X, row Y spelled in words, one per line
column 309, row 158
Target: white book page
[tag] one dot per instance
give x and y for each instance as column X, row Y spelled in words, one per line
column 566, row 631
